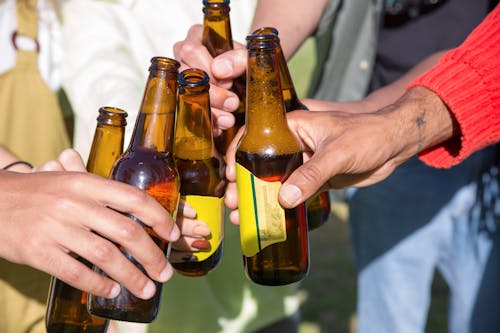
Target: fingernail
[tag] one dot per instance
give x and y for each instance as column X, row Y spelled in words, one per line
column 201, row 244
column 231, row 104
column 224, row 68
column 166, row 273
column 149, row 290
column 175, row 233
column 225, row 122
column 115, row 291
column 189, row 211
column 290, row 194
column 202, row 230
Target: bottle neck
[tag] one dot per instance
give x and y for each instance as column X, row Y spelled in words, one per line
column 290, row 97
column 193, row 133
column 217, row 36
column 155, row 121
column 266, row 127
column 265, row 109
column 107, row 144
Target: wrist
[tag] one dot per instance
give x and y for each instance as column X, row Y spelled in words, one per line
column 421, row 120
column 18, row 166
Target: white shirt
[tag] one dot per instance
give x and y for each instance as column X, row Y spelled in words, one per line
column 108, row 46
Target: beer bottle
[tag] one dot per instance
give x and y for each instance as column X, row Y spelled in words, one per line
column 274, row 240
column 201, row 168
column 217, row 38
column 67, row 306
column 148, row 163
column 318, row 206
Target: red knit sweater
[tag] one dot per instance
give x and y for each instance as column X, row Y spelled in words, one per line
column 467, row 79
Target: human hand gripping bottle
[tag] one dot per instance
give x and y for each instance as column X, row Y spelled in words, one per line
column 217, row 38
column 201, row 168
column 274, row 240
column 66, row 305
column 318, row 206
column 148, row 163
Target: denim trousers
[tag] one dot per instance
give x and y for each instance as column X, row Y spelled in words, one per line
column 417, row 221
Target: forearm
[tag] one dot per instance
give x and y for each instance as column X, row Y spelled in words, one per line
column 421, row 120
column 379, row 98
column 390, row 93
column 295, row 20
column 467, row 79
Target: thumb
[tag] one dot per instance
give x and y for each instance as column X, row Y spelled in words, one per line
column 304, row 182
column 230, row 65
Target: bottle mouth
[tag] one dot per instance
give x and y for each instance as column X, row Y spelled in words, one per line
column 193, row 77
column 164, row 63
column 215, row 3
column 266, row 31
column 262, row 41
column 109, row 115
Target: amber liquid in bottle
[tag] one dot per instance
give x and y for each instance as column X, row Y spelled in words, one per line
column 217, row 38
column 149, row 165
column 201, row 168
column 280, row 263
column 269, row 152
column 67, row 306
column 318, row 206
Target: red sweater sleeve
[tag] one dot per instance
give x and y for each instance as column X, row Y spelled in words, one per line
column 467, row 79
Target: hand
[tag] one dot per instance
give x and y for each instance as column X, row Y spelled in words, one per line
column 193, row 234
column 344, row 149
column 222, row 70
column 48, row 216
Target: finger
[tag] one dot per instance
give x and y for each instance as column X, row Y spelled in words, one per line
column 193, row 228
column 231, row 196
column 71, row 160
column 230, row 65
column 230, row 155
column 190, row 244
column 186, row 210
column 223, row 99
column 127, row 233
column 125, row 198
column 223, row 120
column 49, row 166
column 307, row 179
column 234, row 217
column 75, row 273
column 108, row 257
column 191, row 52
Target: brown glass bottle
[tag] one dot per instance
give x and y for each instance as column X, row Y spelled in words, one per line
column 274, row 240
column 217, row 38
column 200, row 167
column 318, row 206
column 67, row 306
column 148, row 163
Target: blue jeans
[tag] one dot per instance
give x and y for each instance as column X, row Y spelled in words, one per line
column 404, row 228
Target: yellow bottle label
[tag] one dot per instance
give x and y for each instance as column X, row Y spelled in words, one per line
column 211, row 211
column 262, row 219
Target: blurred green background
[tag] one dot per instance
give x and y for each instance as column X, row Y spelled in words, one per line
column 328, row 294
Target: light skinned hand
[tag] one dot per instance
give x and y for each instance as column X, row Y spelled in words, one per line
column 193, row 233
column 192, row 54
column 48, row 216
